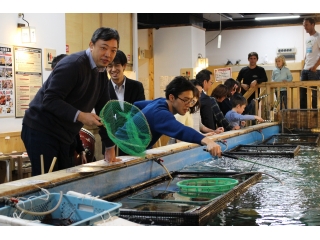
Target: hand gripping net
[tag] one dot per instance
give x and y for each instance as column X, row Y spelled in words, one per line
column 126, row 126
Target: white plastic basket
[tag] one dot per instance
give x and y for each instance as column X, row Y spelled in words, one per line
column 80, row 211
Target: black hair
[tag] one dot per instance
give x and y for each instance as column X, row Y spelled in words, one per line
column 229, row 83
column 195, row 82
column 178, row 85
column 238, row 100
column 203, row 75
column 197, row 106
column 56, row 59
column 105, row 34
column 253, row 54
column 120, row 58
column 239, row 86
column 310, row 20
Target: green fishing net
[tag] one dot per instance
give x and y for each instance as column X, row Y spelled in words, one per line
column 126, row 126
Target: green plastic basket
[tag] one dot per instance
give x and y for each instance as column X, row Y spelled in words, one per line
column 207, row 185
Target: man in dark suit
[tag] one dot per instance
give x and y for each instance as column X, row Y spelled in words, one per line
column 120, row 87
column 205, row 79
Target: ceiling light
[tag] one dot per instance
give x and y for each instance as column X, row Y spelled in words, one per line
column 274, row 18
column 202, row 62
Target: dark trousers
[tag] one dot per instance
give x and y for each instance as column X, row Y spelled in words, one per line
column 307, row 75
column 38, row 143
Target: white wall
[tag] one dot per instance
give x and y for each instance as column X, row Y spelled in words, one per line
column 50, row 33
column 236, row 44
column 175, row 48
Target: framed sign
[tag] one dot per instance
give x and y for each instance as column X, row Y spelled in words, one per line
column 28, row 76
column 49, row 54
column 222, row 74
column 6, row 81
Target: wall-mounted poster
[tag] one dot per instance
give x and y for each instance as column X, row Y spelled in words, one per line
column 7, row 101
column 222, row 74
column 28, row 76
column 49, row 54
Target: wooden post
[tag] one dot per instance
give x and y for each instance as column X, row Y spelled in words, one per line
column 289, row 97
column 309, row 95
column 151, row 65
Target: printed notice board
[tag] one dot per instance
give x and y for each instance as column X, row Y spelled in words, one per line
column 6, row 81
column 28, row 76
column 222, row 74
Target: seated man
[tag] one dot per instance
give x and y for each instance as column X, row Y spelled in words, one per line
column 160, row 115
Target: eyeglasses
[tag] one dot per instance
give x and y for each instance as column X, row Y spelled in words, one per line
column 210, row 82
column 190, row 102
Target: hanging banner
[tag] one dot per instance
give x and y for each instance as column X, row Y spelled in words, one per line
column 222, row 74
column 6, row 81
column 28, row 76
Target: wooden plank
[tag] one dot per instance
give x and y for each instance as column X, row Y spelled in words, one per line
column 74, row 32
column 12, row 143
column 125, row 31
column 250, row 91
column 289, row 98
column 90, row 23
column 309, row 95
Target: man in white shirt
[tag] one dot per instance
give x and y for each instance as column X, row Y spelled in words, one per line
column 310, row 70
column 121, row 87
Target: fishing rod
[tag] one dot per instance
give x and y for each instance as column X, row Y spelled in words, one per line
column 241, row 159
column 263, row 96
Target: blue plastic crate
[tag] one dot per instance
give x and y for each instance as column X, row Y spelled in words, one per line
column 81, row 211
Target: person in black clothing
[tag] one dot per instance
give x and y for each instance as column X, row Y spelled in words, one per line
column 76, row 146
column 205, row 80
column 123, row 88
column 251, row 75
column 77, row 85
column 218, row 95
column 57, row 59
column 225, row 105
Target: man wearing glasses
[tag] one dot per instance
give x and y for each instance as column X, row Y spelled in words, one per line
column 205, row 79
column 180, row 96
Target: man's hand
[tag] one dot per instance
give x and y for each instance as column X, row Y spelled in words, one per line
column 219, row 130
column 212, row 147
column 253, row 83
column 110, row 155
column 90, row 119
column 245, row 86
column 313, row 69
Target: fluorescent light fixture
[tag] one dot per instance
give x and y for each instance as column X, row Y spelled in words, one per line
column 274, row 18
column 219, row 41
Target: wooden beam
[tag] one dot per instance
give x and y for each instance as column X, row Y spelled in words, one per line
column 151, row 65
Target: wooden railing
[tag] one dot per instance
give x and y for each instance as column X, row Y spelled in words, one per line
column 293, row 95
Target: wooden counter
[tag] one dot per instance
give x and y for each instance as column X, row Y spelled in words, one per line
column 72, row 174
